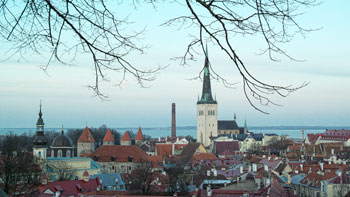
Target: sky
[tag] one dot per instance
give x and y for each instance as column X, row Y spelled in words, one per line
column 67, row 100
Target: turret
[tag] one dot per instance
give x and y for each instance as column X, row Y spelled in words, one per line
column 109, row 138
column 86, row 143
column 139, row 137
column 126, row 139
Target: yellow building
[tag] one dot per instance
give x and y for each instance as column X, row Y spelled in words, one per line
column 69, row 168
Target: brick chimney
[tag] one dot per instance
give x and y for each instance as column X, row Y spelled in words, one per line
column 173, row 121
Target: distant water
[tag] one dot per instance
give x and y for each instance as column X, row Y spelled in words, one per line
column 292, row 131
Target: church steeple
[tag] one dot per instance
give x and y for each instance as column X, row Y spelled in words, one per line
column 207, row 97
column 40, row 123
column 40, row 141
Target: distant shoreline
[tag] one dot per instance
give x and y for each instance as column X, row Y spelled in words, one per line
column 194, row 127
column 155, row 132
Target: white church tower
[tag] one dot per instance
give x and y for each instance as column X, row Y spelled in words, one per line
column 40, row 141
column 207, row 110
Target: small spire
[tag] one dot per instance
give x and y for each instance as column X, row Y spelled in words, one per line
column 62, row 131
column 245, row 123
column 40, row 113
column 234, row 117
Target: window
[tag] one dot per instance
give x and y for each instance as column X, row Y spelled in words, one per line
column 201, row 113
column 39, row 153
column 52, row 153
column 68, row 153
column 59, row 153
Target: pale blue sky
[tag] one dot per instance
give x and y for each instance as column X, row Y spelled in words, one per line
column 66, row 100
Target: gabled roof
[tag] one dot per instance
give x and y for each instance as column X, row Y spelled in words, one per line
column 139, row 135
column 277, row 190
column 227, row 125
column 272, row 163
column 111, row 179
column 189, row 150
column 313, row 137
column 86, row 136
column 225, row 146
column 109, row 136
column 119, row 153
column 313, row 179
column 71, row 188
column 164, row 150
column 126, row 136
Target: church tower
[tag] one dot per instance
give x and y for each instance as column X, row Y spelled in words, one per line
column 207, row 109
column 40, row 141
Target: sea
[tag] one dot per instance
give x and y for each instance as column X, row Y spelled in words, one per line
column 155, row 132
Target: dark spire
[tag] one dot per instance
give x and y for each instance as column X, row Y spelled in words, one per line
column 39, row 139
column 40, row 121
column 207, row 97
column 62, row 131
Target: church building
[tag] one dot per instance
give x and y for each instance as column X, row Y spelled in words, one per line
column 207, row 113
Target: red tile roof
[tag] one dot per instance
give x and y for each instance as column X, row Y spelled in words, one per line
column 109, row 136
column 86, row 136
column 294, row 147
column 277, row 190
column 203, row 156
column 313, row 179
column 139, row 135
column 313, row 137
column 119, row 153
column 156, row 161
column 72, row 187
column 226, row 146
column 164, row 150
column 126, row 136
column 180, row 146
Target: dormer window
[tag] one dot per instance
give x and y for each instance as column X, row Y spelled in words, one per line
column 113, row 158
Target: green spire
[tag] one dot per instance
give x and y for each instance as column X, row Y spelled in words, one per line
column 207, row 97
column 245, row 124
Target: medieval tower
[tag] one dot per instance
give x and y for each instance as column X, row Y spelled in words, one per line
column 207, row 109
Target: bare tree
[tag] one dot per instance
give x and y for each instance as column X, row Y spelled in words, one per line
column 141, row 178
column 17, row 167
column 61, row 170
column 94, row 29
column 177, row 179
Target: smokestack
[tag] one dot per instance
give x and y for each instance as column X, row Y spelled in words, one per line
column 173, row 121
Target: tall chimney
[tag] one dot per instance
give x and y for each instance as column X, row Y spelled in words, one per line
column 173, row 121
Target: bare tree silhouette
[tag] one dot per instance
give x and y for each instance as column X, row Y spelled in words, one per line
column 94, row 28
